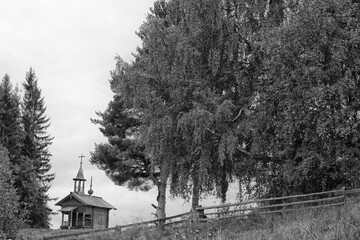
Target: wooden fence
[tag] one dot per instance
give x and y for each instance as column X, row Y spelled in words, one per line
column 242, row 210
column 165, row 221
column 280, row 204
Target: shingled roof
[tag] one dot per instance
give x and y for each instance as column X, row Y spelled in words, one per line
column 87, row 200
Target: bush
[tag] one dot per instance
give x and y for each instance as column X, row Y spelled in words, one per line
column 11, row 215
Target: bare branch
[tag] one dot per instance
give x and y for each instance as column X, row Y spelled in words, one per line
column 238, row 115
column 243, row 151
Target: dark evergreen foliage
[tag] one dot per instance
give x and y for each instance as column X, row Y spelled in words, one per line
column 28, row 174
column 11, row 134
column 36, row 149
column 122, row 158
column 12, row 138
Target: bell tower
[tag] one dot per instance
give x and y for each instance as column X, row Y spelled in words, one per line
column 79, row 180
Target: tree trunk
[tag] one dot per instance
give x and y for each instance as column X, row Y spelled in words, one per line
column 161, row 198
column 224, row 185
column 195, row 191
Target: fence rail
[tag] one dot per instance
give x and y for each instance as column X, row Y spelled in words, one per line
column 243, row 210
column 280, row 204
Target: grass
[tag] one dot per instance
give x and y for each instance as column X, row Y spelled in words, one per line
column 38, row 234
column 331, row 223
column 336, row 223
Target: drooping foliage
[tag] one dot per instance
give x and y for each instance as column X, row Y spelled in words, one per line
column 307, row 115
column 261, row 92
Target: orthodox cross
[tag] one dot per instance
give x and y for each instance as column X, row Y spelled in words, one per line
column 81, row 157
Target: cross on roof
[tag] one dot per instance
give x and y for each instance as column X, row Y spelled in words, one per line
column 81, row 157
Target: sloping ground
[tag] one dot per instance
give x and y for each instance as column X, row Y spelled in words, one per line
column 328, row 224
column 340, row 223
column 335, row 223
column 38, row 234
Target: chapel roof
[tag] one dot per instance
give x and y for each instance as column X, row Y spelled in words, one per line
column 86, row 200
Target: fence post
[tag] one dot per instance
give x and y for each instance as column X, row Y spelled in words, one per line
column 344, row 194
column 193, row 216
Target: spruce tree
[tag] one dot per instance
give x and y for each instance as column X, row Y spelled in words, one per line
column 11, row 134
column 12, row 137
column 36, row 146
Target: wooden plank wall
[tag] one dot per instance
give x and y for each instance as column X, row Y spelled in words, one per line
column 100, row 218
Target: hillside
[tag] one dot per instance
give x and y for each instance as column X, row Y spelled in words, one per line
column 334, row 223
column 329, row 223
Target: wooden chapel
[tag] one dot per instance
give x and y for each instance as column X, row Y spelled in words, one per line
column 80, row 210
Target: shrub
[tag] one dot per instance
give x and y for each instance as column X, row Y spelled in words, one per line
column 11, row 215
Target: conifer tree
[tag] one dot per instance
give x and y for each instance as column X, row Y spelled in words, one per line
column 12, row 138
column 11, row 134
column 36, row 146
column 122, row 158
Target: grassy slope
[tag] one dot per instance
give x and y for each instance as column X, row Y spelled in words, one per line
column 331, row 223
column 338, row 223
column 38, row 234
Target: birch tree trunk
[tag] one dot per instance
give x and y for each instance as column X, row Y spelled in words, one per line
column 161, row 198
column 161, row 201
column 195, row 191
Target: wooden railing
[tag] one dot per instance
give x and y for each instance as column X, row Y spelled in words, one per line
column 280, row 204
column 168, row 221
column 243, row 210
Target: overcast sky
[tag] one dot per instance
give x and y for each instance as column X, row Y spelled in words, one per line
column 71, row 45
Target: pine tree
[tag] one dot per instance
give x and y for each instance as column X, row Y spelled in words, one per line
column 122, row 158
column 36, row 146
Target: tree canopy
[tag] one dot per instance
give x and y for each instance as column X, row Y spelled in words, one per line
column 264, row 93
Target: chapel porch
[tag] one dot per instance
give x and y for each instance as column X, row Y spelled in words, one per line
column 73, row 217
